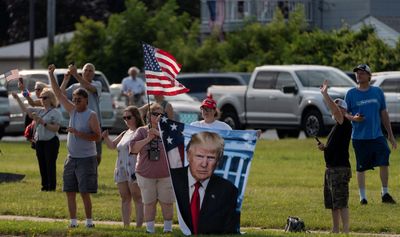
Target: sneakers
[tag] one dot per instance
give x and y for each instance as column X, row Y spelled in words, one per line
column 388, row 199
column 364, row 201
column 89, row 225
column 73, row 225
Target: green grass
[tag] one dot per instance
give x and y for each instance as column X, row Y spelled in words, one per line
column 286, row 178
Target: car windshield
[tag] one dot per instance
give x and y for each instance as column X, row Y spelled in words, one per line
column 315, row 78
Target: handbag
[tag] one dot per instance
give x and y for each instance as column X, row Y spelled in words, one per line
column 295, row 224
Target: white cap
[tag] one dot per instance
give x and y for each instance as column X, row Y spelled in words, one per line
column 341, row 103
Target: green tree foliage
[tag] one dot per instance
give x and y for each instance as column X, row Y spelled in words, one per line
column 88, row 43
column 114, row 47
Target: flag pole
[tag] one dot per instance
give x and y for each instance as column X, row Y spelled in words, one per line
column 148, row 110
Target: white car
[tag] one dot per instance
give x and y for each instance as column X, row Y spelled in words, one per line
column 389, row 82
column 18, row 119
column 186, row 108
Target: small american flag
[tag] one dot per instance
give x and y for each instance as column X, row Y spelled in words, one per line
column 161, row 69
column 11, row 75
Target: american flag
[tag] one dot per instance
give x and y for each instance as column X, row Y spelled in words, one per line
column 234, row 166
column 11, row 75
column 160, row 70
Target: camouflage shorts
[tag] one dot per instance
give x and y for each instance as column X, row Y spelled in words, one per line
column 336, row 187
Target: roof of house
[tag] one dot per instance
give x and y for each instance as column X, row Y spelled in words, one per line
column 22, row 50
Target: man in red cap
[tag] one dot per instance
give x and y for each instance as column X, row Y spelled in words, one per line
column 210, row 114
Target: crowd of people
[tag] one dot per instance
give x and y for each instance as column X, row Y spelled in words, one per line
column 141, row 170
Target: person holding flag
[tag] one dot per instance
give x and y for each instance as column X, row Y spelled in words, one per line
column 152, row 171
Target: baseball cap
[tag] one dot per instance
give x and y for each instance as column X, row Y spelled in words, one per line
column 209, row 103
column 341, row 103
column 363, row 67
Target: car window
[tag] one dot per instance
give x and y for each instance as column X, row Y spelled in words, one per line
column 391, row 85
column 97, row 77
column 246, row 77
column 315, row 78
column 196, row 84
column 227, row 81
column 265, row 80
column 284, row 79
column 33, row 78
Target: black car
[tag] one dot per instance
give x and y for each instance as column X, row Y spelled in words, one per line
column 198, row 83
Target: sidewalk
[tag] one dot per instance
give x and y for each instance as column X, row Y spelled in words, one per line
column 243, row 229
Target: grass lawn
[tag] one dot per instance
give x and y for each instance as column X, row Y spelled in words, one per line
column 286, row 178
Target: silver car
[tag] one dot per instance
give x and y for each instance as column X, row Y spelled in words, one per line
column 18, row 119
column 389, row 82
column 186, row 108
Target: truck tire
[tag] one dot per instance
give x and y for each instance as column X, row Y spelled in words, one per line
column 312, row 123
column 2, row 128
column 229, row 116
column 291, row 133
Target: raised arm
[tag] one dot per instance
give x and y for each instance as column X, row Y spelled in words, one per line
column 85, row 84
column 21, row 105
column 337, row 114
column 64, row 83
column 111, row 144
column 68, row 105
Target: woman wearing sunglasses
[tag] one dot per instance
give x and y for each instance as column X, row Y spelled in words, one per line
column 152, row 171
column 39, row 86
column 124, row 173
column 47, row 122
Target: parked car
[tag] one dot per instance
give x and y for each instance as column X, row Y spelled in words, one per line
column 389, row 82
column 352, row 75
column 186, row 108
column 18, row 119
column 199, row 82
column 286, row 98
column 4, row 108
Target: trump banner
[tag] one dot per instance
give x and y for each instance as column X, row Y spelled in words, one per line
column 209, row 171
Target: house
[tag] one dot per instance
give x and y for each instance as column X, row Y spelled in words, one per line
column 18, row 55
column 230, row 15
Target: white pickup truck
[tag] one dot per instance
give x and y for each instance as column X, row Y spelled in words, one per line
column 286, row 98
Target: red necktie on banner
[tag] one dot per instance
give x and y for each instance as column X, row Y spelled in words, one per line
column 195, row 207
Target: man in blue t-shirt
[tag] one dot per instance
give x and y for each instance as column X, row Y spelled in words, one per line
column 367, row 106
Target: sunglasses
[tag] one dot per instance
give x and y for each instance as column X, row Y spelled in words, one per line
column 37, row 89
column 44, row 97
column 127, row 117
column 76, row 100
column 155, row 114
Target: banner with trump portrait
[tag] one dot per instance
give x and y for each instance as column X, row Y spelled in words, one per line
column 194, row 152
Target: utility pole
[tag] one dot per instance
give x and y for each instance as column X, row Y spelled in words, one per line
column 32, row 33
column 51, row 22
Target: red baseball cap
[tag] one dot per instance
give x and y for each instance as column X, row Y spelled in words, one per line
column 209, row 103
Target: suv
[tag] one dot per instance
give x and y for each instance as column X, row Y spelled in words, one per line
column 389, row 82
column 19, row 119
column 199, row 82
column 4, row 108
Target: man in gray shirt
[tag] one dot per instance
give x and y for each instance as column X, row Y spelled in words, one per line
column 94, row 89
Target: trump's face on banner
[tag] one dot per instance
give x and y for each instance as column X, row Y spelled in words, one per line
column 204, row 151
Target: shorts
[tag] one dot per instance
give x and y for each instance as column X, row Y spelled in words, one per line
column 336, row 187
column 371, row 153
column 80, row 175
column 156, row 189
